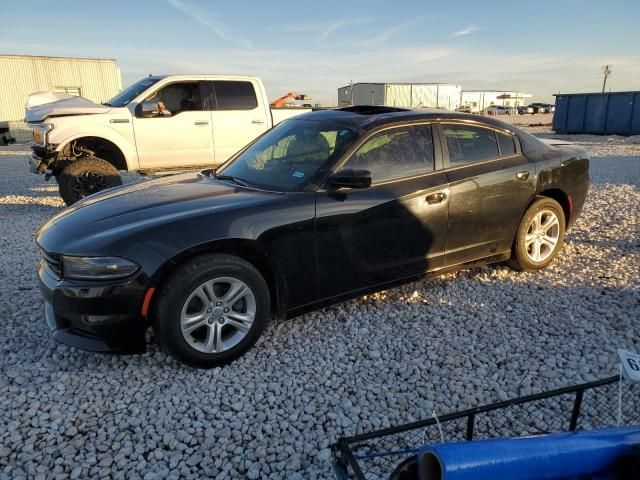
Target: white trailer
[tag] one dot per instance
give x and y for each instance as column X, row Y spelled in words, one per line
column 408, row 95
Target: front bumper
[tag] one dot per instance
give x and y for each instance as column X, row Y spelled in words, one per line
column 96, row 317
column 41, row 158
column 36, row 164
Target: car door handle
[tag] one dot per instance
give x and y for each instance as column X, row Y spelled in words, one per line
column 257, row 122
column 522, row 176
column 436, row 198
column 200, row 123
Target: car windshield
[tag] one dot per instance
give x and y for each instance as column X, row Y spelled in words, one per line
column 131, row 92
column 290, row 155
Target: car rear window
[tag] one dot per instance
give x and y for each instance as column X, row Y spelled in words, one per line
column 235, row 95
column 469, row 144
column 507, row 146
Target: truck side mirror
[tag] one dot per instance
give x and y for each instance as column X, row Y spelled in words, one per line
column 147, row 109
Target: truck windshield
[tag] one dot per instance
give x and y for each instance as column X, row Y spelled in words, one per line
column 131, row 92
column 290, row 155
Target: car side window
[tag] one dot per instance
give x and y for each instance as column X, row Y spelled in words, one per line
column 470, row 144
column 507, row 145
column 178, row 97
column 396, row 153
column 232, row 95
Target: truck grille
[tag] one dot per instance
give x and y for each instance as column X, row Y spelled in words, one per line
column 52, row 261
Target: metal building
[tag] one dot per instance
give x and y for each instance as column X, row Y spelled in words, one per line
column 21, row 75
column 614, row 113
column 479, row 100
column 408, row 95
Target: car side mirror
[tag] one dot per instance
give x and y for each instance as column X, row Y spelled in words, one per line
column 147, row 109
column 351, row 178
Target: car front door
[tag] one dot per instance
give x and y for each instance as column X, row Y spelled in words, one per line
column 392, row 230
column 238, row 117
column 491, row 184
column 179, row 135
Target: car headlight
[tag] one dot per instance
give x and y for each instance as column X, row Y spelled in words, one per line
column 97, row 268
column 40, row 132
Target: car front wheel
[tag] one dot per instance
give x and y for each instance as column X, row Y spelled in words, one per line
column 540, row 235
column 211, row 310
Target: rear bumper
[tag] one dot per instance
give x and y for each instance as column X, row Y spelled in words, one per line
column 98, row 318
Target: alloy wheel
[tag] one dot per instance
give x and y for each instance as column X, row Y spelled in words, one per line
column 542, row 235
column 217, row 315
column 88, row 183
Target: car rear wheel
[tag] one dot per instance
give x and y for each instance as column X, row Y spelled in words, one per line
column 86, row 176
column 540, row 235
column 211, row 310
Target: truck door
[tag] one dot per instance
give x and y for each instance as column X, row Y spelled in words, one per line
column 180, row 134
column 238, row 117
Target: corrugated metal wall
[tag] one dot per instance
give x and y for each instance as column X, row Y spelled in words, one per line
column 368, row 94
column 445, row 96
column 406, row 95
column 98, row 80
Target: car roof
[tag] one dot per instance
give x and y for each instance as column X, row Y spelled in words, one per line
column 366, row 117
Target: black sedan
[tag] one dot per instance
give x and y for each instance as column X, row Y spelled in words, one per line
column 324, row 207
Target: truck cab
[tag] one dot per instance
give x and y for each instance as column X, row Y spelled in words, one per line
column 168, row 122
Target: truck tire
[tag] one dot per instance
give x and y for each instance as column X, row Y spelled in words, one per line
column 85, row 177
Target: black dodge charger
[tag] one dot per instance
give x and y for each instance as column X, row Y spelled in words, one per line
column 323, row 207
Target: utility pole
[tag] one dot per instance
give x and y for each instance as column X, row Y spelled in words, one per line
column 607, row 71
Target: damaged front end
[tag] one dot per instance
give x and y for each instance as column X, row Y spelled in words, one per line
column 42, row 159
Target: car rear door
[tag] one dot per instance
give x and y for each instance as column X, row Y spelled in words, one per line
column 392, row 230
column 491, row 184
column 238, row 116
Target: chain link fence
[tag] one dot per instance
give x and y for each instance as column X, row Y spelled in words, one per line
column 375, row 455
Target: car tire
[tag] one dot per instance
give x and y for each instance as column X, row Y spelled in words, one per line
column 86, row 176
column 540, row 235
column 197, row 318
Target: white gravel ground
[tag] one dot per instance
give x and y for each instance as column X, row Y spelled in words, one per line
column 442, row 345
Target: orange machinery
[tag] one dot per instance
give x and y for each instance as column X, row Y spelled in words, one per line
column 280, row 102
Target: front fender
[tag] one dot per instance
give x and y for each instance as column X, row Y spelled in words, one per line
column 63, row 136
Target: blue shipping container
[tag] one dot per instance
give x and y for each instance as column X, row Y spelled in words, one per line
column 616, row 113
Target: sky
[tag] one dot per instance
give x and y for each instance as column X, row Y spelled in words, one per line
column 540, row 47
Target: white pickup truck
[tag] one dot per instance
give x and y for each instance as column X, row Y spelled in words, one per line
column 166, row 122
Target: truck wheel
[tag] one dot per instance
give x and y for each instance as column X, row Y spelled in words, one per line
column 86, row 176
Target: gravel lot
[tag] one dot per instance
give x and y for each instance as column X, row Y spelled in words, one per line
column 443, row 344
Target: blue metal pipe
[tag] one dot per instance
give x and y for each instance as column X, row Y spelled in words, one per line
column 542, row 457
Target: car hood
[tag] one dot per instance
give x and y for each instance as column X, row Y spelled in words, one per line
column 125, row 212
column 41, row 105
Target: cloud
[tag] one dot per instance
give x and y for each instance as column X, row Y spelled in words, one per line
column 320, row 30
column 465, row 31
column 200, row 17
column 385, row 35
column 332, row 28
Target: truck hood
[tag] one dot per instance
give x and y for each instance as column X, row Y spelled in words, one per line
column 123, row 213
column 41, row 105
